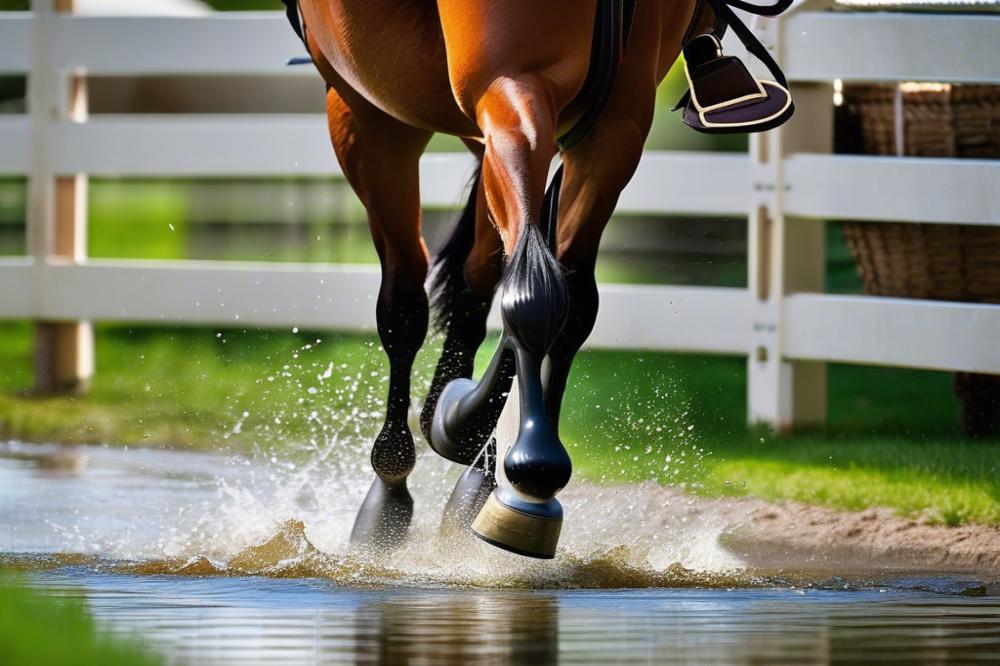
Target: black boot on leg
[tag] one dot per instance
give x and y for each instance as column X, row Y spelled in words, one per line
column 523, row 516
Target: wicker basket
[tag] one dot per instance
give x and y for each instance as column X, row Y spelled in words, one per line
column 931, row 261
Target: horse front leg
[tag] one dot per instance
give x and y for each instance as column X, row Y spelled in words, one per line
column 379, row 157
column 522, row 514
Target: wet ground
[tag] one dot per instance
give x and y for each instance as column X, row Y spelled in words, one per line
column 163, row 545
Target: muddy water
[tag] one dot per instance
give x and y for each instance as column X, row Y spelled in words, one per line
column 233, row 560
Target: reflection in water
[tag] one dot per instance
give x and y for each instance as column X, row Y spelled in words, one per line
column 458, row 629
column 263, row 620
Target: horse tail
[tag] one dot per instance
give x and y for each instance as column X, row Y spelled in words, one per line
column 446, row 279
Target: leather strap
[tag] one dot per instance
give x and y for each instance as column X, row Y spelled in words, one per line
column 612, row 26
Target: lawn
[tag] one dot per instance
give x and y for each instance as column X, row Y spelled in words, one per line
column 37, row 628
column 892, row 440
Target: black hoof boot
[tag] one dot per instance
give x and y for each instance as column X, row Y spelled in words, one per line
column 467, row 411
column 470, row 493
column 525, row 517
column 445, row 413
column 384, row 518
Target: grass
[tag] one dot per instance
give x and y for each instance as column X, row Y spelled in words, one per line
column 36, row 628
column 892, row 439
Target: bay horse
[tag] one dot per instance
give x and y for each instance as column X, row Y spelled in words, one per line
column 519, row 81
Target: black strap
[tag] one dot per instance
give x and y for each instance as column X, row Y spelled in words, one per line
column 612, row 26
column 292, row 12
column 725, row 18
column 550, row 211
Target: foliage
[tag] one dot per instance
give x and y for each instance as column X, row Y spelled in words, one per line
column 36, row 628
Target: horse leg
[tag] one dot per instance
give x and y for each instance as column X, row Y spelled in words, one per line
column 522, row 515
column 379, row 156
column 596, row 170
column 464, row 274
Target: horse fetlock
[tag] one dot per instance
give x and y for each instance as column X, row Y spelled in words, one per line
column 446, row 426
column 535, row 301
column 537, row 465
column 393, row 454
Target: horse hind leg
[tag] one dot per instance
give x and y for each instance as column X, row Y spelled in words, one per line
column 380, row 156
column 463, row 278
column 464, row 274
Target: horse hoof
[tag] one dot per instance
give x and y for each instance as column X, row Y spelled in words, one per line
column 440, row 441
column 526, row 528
column 468, row 498
column 384, row 518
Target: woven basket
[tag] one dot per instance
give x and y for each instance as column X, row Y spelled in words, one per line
column 931, row 261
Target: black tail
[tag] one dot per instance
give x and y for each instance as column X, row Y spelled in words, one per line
column 446, row 280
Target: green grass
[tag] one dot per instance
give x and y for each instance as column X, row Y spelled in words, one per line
column 892, row 440
column 36, row 628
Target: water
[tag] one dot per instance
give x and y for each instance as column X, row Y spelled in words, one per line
column 253, row 620
column 163, row 544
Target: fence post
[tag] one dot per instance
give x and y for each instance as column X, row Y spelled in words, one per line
column 786, row 255
column 57, row 210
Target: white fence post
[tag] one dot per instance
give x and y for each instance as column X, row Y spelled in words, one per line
column 57, row 210
column 786, row 255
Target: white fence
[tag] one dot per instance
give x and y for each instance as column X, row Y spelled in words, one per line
column 788, row 186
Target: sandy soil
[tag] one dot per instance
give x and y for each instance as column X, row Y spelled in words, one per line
column 772, row 537
column 875, row 535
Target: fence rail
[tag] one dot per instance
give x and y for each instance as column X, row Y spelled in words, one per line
column 787, row 186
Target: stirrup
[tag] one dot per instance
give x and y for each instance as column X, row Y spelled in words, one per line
column 723, row 96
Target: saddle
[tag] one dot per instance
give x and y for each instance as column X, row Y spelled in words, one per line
column 723, row 96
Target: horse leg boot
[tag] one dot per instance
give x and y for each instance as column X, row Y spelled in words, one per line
column 517, row 116
column 380, row 158
column 464, row 275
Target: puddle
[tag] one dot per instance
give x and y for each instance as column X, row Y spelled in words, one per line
column 237, row 560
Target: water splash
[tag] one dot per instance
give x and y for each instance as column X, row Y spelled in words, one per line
column 287, row 508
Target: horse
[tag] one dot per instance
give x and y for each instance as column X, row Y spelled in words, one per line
column 519, row 82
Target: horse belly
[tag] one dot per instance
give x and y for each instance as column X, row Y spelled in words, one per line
column 392, row 53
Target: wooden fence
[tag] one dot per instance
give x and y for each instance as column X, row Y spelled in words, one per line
column 787, row 187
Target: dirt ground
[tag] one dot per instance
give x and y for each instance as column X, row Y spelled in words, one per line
column 772, row 537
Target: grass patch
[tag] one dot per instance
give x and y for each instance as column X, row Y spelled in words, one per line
column 892, row 440
column 36, row 628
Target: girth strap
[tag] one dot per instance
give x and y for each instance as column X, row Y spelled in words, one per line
column 292, row 12
column 612, row 25
column 725, row 18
